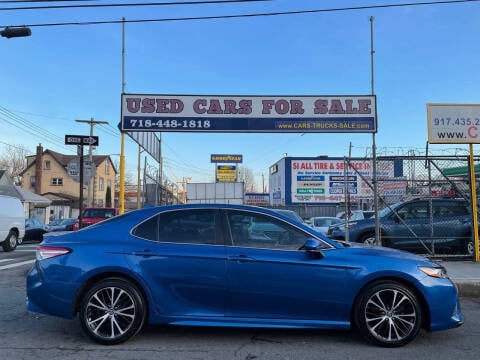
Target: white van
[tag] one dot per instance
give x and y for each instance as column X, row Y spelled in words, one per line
column 12, row 222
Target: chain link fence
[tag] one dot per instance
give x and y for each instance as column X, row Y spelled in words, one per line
column 158, row 191
column 427, row 209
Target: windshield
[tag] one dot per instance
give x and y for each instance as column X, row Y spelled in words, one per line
column 385, row 211
column 99, row 213
column 320, row 222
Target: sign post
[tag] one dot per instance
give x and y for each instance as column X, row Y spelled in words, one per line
column 80, row 200
column 80, row 141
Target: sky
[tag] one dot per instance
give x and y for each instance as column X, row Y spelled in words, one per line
column 422, row 54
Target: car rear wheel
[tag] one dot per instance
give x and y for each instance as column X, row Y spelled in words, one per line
column 388, row 314
column 10, row 242
column 112, row 311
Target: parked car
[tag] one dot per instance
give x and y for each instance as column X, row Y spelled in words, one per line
column 415, row 226
column 93, row 215
column 63, row 225
column 53, row 222
column 356, row 215
column 34, row 230
column 199, row 265
column 291, row 214
column 12, row 222
column 322, row 223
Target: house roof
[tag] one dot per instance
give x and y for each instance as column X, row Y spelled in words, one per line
column 38, row 200
column 63, row 159
column 24, row 195
column 62, row 199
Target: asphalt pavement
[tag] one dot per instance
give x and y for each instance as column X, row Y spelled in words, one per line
column 466, row 275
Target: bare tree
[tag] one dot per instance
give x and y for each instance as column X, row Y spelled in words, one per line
column 13, row 159
column 245, row 175
column 130, row 177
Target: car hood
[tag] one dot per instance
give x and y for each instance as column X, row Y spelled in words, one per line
column 379, row 251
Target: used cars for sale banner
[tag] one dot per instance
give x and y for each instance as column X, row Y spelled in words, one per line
column 283, row 114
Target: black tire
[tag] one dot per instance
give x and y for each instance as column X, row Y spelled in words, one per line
column 469, row 246
column 368, row 239
column 388, row 314
column 101, row 309
column 11, row 242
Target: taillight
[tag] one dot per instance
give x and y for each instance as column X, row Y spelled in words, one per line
column 45, row 252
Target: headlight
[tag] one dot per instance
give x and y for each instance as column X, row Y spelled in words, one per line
column 434, row 271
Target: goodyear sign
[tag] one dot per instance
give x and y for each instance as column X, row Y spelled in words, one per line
column 220, row 158
column 226, row 173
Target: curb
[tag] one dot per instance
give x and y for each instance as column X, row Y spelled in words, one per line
column 468, row 289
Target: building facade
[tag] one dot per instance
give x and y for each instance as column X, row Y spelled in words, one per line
column 47, row 174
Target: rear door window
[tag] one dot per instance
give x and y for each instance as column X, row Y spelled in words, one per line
column 192, row 226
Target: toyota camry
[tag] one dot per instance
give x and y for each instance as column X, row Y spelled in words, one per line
column 209, row 265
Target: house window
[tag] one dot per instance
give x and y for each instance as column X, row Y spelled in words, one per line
column 109, row 184
column 32, row 181
column 47, row 164
column 57, row 181
column 100, row 184
column 107, row 168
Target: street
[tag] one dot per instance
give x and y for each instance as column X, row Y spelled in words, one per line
column 25, row 335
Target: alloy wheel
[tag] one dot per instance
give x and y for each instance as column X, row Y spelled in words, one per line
column 13, row 240
column 390, row 315
column 110, row 313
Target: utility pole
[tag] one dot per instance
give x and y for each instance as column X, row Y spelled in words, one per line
column 374, row 145
column 92, row 123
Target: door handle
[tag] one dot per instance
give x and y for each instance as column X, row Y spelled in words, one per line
column 144, row 253
column 241, row 258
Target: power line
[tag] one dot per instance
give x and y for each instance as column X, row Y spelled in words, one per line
column 14, row 146
column 31, row 128
column 22, row 121
column 34, row 133
column 86, row 6
column 107, row 129
column 368, row 7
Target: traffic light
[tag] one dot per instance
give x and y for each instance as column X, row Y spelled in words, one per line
column 11, row 32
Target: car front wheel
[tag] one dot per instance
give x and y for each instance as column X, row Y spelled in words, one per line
column 10, row 242
column 388, row 314
column 469, row 247
column 112, row 311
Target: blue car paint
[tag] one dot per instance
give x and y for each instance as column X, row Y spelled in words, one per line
column 231, row 286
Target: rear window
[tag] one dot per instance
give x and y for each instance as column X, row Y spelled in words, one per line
column 99, row 213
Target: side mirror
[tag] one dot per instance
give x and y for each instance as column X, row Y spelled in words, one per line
column 311, row 246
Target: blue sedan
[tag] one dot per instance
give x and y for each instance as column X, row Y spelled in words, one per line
column 202, row 265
